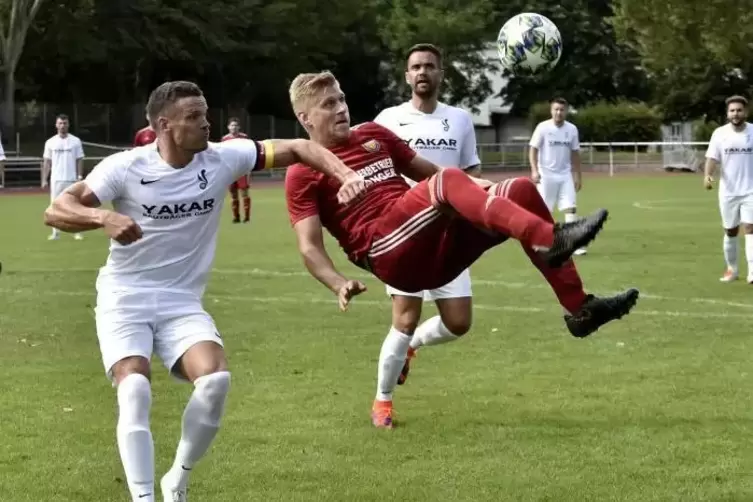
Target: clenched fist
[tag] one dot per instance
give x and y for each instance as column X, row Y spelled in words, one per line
column 352, row 188
column 121, row 228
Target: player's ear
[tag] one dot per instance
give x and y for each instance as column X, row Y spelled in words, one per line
column 303, row 118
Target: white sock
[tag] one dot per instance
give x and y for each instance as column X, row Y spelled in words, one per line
column 391, row 361
column 55, row 232
column 730, row 251
column 749, row 253
column 134, row 437
column 432, row 332
column 570, row 217
column 201, row 421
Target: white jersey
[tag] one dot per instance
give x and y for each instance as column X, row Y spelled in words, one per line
column 445, row 137
column 178, row 211
column 734, row 152
column 63, row 154
column 555, row 145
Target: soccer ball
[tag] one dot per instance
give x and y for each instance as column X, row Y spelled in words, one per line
column 529, row 43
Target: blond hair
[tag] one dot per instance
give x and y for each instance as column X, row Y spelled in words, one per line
column 307, row 85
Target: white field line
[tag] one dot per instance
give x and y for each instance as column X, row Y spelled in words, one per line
column 309, row 299
column 480, row 282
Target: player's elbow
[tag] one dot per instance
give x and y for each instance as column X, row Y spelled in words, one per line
column 51, row 215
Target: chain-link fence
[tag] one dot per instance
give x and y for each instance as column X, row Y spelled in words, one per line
column 116, row 124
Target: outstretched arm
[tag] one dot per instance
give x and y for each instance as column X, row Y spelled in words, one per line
column 285, row 152
column 319, row 264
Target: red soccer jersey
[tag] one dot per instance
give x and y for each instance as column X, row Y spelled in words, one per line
column 145, row 136
column 230, row 136
column 375, row 153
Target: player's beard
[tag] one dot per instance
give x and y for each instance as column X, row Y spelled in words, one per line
column 425, row 89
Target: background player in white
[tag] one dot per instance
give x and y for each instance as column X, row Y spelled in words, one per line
column 554, row 157
column 731, row 146
column 2, row 165
column 62, row 163
column 167, row 201
column 445, row 136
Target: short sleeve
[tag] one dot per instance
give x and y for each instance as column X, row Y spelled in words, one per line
column 536, row 138
column 47, row 151
column 575, row 145
column 469, row 150
column 244, row 155
column 107, row 178
column 79, row 149
column 399, row 150
column 713, row 151
column 382, row 118
column 301, row 193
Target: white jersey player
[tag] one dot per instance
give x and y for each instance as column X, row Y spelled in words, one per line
column 445, row 136
column 167, row 200
column 62, row 163
column 554, row 157
column 731, row 147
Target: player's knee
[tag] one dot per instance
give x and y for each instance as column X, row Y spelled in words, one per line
column 747, row 228
column 406, row 321
column 214, row 388
column 135, row 365
column 732, row 232
column 134, row 399
column 457, row 325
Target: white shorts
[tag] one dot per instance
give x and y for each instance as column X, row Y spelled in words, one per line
column 58, row 187
column 736, row 209
column 558, row 190
column 145, row 322
column 459, row 287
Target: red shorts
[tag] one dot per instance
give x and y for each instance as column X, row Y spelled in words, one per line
column 417, row 247
column 240, row 184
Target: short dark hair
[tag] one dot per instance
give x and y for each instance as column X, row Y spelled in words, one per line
column 62, row 116
column 559, row 101
column 736, row 99
column 233, row 119
column 167, row 94
column 425, row 48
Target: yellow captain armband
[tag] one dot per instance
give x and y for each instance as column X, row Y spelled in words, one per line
column 269, row 153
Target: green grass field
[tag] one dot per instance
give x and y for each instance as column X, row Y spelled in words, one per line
column 656, row 407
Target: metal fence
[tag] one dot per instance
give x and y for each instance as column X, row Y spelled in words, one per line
column 611, row 158
column 116, row 124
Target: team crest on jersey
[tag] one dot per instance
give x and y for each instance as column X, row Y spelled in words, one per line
column 371, row 146
column 202, row 177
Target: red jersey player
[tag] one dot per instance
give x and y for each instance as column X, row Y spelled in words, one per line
column 145, row 136
column 423, row 237
column 241, row 184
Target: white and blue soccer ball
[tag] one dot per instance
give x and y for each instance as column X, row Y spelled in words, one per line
column 529, row 43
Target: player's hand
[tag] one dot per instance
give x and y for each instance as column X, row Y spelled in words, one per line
column 351, row 189
column 44, row 183
column 708, row 182
column 578, row 184
column 348, row 291
column 121, row 228
column 536, row 177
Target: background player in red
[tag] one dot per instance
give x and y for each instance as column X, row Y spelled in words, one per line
column 242, row 183
column 423, row 237
column 145, row 135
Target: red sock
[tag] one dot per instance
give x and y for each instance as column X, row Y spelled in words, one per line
column 565, row 280
column 454, row 188
column 236, row 214
column 247, row 207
